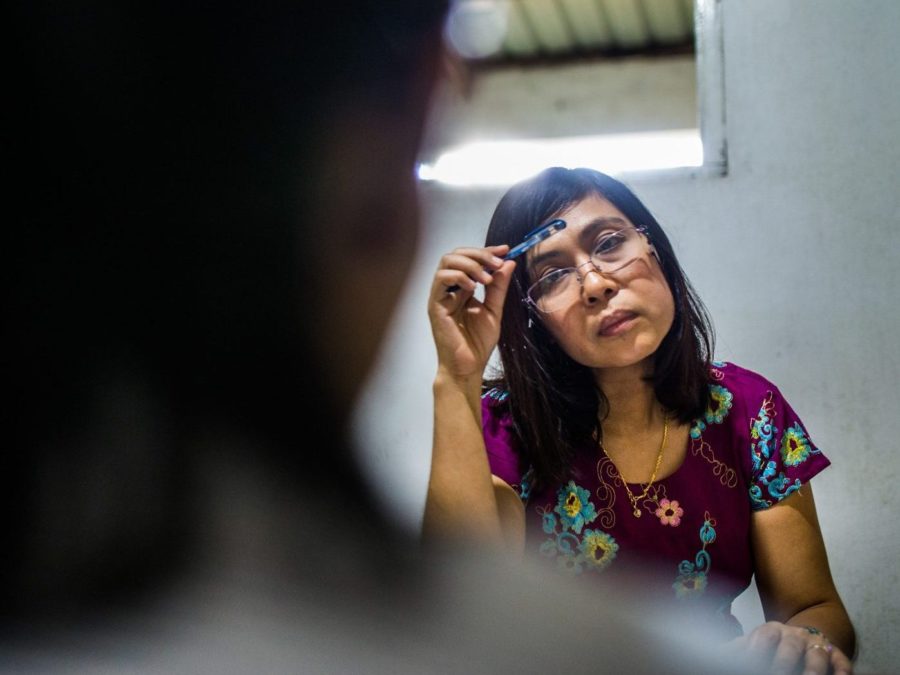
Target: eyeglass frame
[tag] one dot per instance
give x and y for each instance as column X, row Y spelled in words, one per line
column 640, row 229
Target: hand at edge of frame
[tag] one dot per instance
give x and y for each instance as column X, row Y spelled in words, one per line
column 793, row 649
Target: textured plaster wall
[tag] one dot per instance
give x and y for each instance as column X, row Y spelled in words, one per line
column 796, row 252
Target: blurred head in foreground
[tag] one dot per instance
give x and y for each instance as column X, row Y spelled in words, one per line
column 214, row 213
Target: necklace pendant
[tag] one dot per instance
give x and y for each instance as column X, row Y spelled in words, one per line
column 637, row 512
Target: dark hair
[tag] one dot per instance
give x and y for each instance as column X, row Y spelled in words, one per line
column 554, row 401
column 168, row 157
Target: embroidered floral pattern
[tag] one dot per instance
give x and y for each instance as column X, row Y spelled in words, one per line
column 598, row 548
column 525, row 485
column 692, row 583
column 496, row 394
column 720, row 402
column 570, row 565
column 608, row 478
column 567, row 543
column 548, row 549
column 655, row 496
column 762, row 446
column 693, row 576
column 574, row 507
column 726, row 474
column 549, row 522
column 669, row 512
column 594, row 550
column 794, row 445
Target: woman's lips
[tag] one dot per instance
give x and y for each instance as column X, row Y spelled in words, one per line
column 616, row 323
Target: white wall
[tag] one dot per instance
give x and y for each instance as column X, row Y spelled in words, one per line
column 796, row 253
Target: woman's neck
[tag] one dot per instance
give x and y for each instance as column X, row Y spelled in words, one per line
column 631, row 399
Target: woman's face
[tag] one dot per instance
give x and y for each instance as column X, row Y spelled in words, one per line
column 612, row 320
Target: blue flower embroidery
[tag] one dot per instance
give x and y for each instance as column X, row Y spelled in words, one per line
column 548, row 548
column 773, row 485
column 762, row 433
column 698, row 428
column 574, row 554
column 571, row 565
column 549, row 522
column 525, row 485
column 497, row 394
column 795, row 446
column 567, row 543
column 781, row 487
column 574, row 507
column 718, row 407
column 692, row 577
column 720, row 402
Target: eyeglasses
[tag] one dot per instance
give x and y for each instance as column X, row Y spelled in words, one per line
column 610, row 252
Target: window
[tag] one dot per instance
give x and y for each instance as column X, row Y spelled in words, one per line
column 623, row 86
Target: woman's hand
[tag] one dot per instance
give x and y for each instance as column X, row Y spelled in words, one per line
column 466, row 330
column 781, row 648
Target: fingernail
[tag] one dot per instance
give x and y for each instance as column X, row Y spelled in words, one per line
column 497, row 261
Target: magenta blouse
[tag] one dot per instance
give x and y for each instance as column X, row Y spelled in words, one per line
column 692, row 541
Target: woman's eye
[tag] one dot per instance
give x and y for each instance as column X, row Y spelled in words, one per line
column 609, row 242
column 552, row 279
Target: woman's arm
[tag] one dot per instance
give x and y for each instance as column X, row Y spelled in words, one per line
column 464, row 499
column 796, row 588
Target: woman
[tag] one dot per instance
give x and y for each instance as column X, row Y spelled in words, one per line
column 612, row 442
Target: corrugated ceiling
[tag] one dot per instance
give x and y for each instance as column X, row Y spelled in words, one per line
column 552, row 29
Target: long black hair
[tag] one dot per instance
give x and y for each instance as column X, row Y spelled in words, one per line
column 553, row 400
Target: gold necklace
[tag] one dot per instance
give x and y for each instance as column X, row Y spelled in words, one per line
column 634, row 500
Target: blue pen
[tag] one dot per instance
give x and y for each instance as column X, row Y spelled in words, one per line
column 535, row 237
column 531, row 240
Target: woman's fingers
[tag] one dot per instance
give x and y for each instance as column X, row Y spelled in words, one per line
column 478, row 269
column 790, row 653
column 817, row 658
column 495, row 294
column 445, row 279
column 477, row 263
column 764, row 639
column 840, row 664
column 789, row 649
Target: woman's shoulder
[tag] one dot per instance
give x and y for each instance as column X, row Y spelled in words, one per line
column 736, row 395
column 495, row 405
column 500, row 439
column 781, row 455
column 740, row 381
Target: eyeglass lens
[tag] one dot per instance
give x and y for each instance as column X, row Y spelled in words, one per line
column 610, row 252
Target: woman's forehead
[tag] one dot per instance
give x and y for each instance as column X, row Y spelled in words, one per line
column 590, row 208
column 592, row 214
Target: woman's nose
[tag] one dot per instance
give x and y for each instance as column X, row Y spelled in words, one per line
column 596, row 286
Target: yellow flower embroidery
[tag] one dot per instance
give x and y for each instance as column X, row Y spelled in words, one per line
column 794, row 446
column 598, row 548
